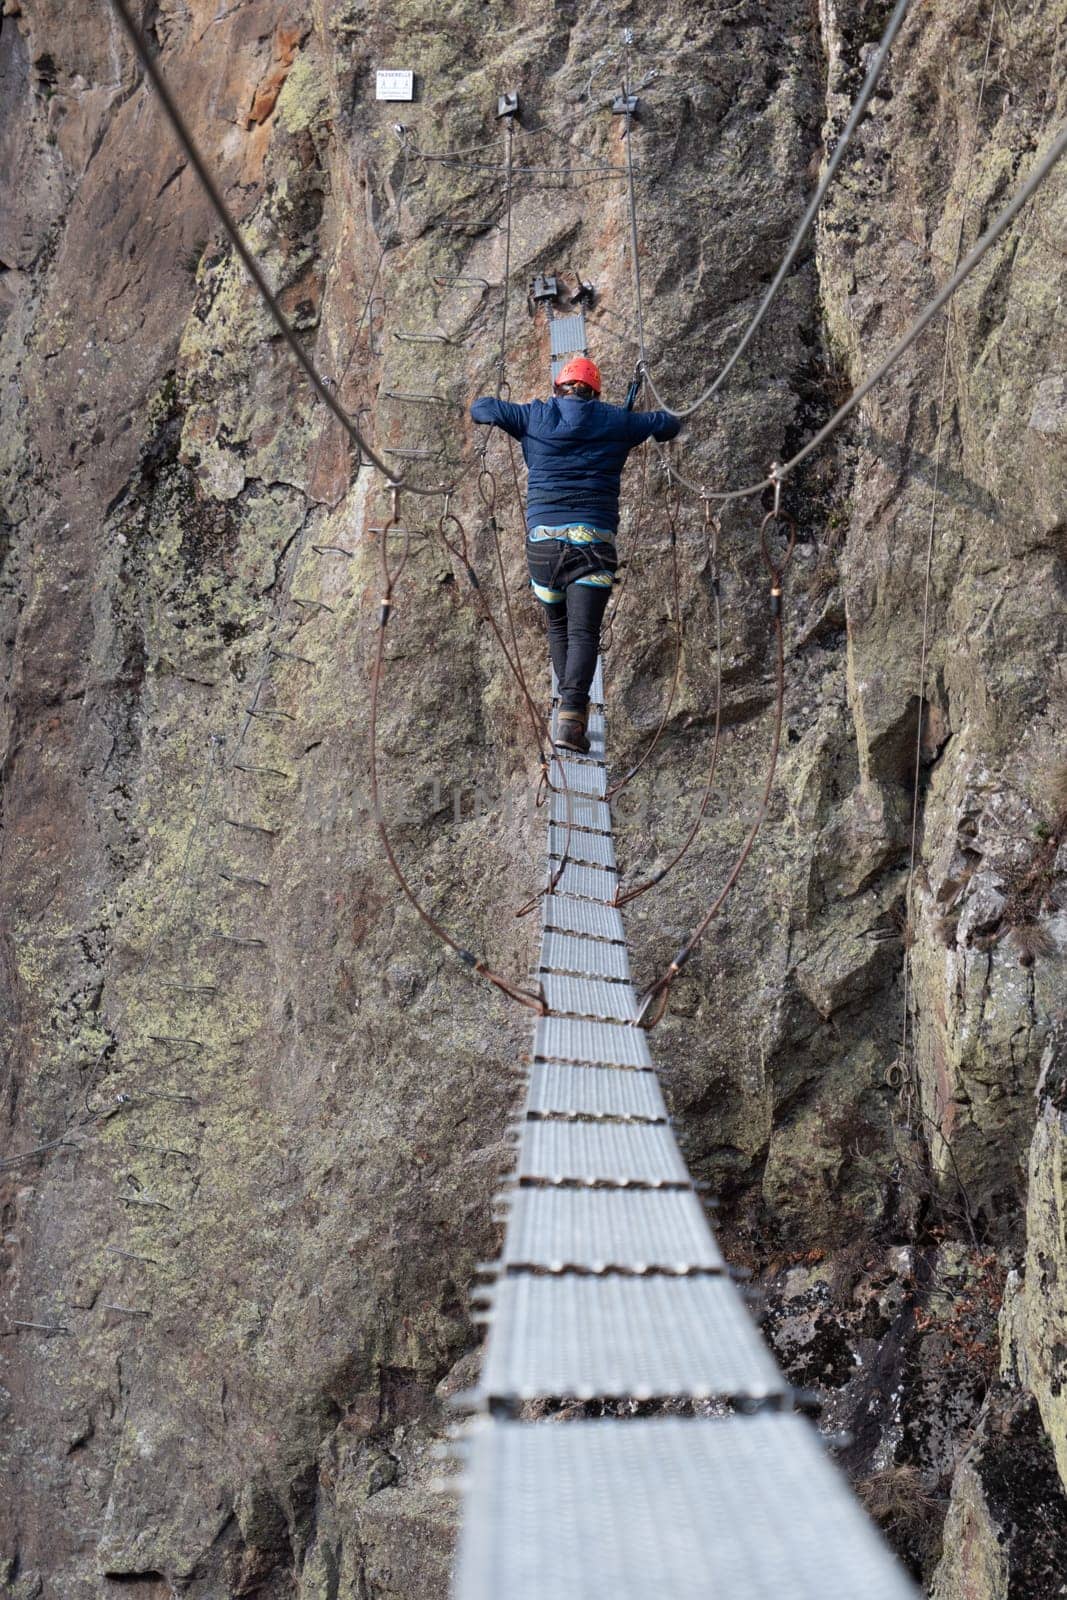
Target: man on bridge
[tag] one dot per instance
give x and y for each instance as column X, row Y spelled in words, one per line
column 575, row 447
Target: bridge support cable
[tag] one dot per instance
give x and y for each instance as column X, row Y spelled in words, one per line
column 391, row 576
column 997, row 227
column 248, row 260
column 655, row 996
column 870, row 83
column 624, row 895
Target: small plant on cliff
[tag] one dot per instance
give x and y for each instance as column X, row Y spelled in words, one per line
column 907, row 1510
column 193, row 256
column 964, row 1314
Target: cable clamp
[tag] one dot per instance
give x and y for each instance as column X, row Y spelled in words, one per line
column 775, row 475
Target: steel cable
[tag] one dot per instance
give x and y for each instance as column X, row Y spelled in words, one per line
column 607, row 632
column 624, row 898
column 390, row 578
column 908, row 1087
column 676, row 606
column 870, row 84
column 653, row 1002
column 248, row 260
column 998, row 226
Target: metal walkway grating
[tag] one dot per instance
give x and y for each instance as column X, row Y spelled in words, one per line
column 556, row 1089
column 665, row 1508
column 583, row 777
column 587, row 883
column 612, row 1337
column 598, row 1230
column 588, row 958
column 618, row 1153
column 581, row 811
column 567, row 915
column 595, row 998
column 592, row 849
column 567, row 336
column 605, row 1044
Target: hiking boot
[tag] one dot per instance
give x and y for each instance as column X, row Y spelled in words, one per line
column 570, row 730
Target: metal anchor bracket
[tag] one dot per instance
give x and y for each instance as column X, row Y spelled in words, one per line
column 544, row 288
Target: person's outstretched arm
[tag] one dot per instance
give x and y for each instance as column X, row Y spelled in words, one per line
column 661, row 425
column 502, row 414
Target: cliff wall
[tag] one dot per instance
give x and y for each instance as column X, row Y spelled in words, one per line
column 271, row 1110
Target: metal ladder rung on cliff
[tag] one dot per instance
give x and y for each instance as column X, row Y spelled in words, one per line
column 611, row 1288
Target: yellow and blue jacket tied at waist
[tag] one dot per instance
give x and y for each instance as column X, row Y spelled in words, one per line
column 573, row 534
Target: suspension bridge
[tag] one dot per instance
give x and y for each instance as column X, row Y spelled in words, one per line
column 611, row 1294
column 669, row 1457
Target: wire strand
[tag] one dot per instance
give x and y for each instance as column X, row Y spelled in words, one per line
column 623, row 898
column 908, row 1083
column 870, row 84
column 997, row 227
column 248, row 260
column 654, row 997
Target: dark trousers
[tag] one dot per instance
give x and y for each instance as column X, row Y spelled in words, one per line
column 574, row 619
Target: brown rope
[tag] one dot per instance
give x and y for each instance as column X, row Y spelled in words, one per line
column 390, row 577
column 711, row 534
column 910, row 1088
column 458, row 548
column 676, row 601
column 607, row 630
column 654, row 998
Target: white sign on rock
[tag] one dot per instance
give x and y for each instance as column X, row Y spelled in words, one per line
column 393, row 85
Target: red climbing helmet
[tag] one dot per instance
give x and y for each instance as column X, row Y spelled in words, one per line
column 581, row 370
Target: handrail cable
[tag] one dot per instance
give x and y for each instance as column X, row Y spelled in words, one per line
column 248, row 260
column 486, row 479
column 1000, row 223
column 390, row 577
column 653, row 1001
column 673, row 507
column 293, row 564
column 267, row 657
column 488, row 497
column 907, row 1086
column 607, row 631
column 635, row 252
column 712, row 532
column 874, row 73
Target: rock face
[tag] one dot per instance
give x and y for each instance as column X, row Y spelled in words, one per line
column 269, row 1111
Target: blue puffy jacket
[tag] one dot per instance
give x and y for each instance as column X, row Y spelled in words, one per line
column 575, row 450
